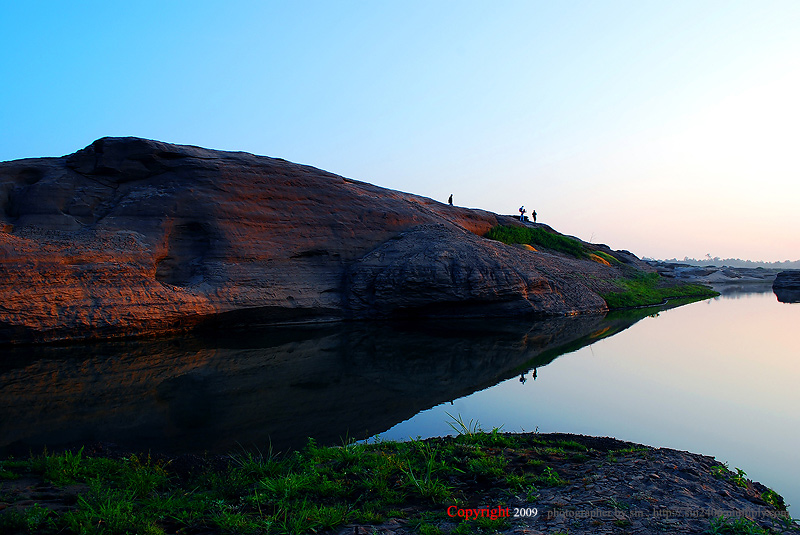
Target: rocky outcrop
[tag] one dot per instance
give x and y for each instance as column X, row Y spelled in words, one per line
column 131, row 236
column 787, row 286
column 787, row 280
column 713, row 274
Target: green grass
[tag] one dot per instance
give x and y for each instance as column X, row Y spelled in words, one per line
column 738, row 526
column 607, row 257
column 643, row 289
column 549, row 478
column 312, row 490
column 738, row 478
column 538, row 237
column 315, row 489
column 774, row 499
column 635, row 290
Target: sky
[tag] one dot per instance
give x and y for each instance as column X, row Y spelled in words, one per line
column 669, row 129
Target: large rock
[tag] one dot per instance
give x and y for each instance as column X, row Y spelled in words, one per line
column 787, row 280
column 787, row 286
column 131, row 236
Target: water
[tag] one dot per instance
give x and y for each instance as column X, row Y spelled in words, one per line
column 716, row 377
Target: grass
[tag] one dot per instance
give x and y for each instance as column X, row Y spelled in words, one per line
column 644, row 289
column 605, row 258
column 539, row 237
column 738, row 478
column 636, row 289
column 312, row 490
column 738, row 526
column 774, row 499
column 550, row 240
column 550, row 478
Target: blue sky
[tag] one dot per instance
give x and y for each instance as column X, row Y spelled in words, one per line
column 664, row 128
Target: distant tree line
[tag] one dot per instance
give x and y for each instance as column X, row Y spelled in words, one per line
column 732, row 262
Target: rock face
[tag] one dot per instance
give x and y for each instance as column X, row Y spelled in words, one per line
column 131, row 236
column 787, row 280
column 713, row 274
column 787, row 286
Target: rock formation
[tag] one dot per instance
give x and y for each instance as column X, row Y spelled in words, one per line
column 787, row 280
column 130, row 236
column 713, row 274
column 787, row 286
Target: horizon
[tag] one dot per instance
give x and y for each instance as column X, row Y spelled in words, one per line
column 665, row 129
column 717, row 260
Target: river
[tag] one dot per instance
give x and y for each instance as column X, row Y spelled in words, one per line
column 716, row 377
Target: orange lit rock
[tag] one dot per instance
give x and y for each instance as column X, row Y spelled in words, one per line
column 131, row 236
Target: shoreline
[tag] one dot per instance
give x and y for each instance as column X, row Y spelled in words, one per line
column 576, row 484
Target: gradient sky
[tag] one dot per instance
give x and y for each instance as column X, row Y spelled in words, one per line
column 665, row 128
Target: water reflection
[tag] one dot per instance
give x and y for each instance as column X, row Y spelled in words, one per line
column 737, row 291
column 787, row 296
column 212, row 393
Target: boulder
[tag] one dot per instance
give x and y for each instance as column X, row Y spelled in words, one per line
column 786, row 286
column 133, row 237
column 787, row 280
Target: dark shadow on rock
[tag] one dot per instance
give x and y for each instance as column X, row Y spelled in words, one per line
column 216, row 391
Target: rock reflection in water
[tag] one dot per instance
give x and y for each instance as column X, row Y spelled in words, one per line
column 787, row 296
column 277, row 386
column 735, row 291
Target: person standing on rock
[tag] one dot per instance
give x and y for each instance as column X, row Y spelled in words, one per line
column 533, row 215
column 450, row 200
column 522, row 213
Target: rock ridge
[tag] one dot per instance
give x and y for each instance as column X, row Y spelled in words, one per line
column 130, row 236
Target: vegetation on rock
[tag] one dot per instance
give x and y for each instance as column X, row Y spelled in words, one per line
column 415, row 486
column 644, row 289
column 538, row 236
column 315, row 489
column 635, row 287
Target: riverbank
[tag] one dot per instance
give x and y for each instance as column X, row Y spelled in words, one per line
column 472, row 483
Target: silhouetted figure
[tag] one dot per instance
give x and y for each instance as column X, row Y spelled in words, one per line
column 534, row 374
column 450, row 200
column 522, row 213
column 522, row 378
column 533, row 215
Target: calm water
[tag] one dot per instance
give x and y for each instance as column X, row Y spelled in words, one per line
column 716, row 377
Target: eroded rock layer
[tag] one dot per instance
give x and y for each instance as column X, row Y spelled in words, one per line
column 131, row 236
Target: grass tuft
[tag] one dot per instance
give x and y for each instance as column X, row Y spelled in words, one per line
column 642, row 289
column 316, row 489
column 537, row 236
